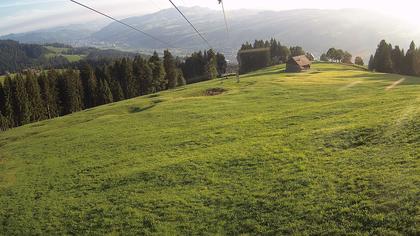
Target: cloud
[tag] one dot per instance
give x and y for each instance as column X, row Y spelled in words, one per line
column 68, row 13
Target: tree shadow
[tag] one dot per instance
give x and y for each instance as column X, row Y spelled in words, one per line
column 140, row 109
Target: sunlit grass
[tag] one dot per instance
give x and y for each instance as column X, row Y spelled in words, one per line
column 275, row 154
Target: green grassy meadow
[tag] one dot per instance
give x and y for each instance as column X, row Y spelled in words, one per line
column 56, row 51
column 332, row 151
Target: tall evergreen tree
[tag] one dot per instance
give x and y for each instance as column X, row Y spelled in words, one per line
column 126, row 78
column 158, row 73
column 211, row 65
column 104, row 92
column 21, row 105
column 371, row 65
column 116, row 90
column 34, row 96
column 89, row 84
column 221, row 63
column 49, row 93
column 397, row 59
column 170, row 70
column 70, row 90
column 7, row 110
column 143, row 76
column 382, row 59
column 4, row 123
column 2, row 99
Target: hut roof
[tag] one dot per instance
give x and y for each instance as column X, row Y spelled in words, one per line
column 300, row 60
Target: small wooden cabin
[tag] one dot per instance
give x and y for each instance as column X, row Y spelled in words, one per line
column 298, row 64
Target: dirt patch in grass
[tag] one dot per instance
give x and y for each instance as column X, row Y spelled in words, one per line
column 214, row 91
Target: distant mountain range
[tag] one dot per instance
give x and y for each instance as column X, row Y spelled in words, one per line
column 358, row 31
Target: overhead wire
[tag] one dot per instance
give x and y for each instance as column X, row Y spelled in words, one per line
column 221, row 2
column 196, row 30
column 123, row 23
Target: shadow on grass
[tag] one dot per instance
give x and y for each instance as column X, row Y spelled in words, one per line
column 140, row 109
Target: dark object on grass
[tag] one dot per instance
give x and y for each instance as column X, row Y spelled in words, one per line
column 214, row 91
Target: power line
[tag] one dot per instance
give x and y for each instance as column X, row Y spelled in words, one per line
column 198, row 32
column 125, row 24
column 224, row 14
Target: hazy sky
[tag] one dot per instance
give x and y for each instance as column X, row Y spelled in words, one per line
column 24, row 15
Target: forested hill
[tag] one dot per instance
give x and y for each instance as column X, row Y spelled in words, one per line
column 15, row 56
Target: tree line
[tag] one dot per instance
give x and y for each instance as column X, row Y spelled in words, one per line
column 262, row 53
column 389, row 59
column 30, row 97
column 15, row 57
column 337, row 55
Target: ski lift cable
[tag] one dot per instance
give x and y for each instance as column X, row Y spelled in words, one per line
column 123, row 23
column 196, row 30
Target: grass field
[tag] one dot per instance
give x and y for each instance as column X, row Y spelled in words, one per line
column 55, row 51
column 332, row 151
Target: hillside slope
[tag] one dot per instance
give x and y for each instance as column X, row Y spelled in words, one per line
column 331, row 151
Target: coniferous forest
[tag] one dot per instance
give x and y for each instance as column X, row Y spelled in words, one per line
column 389, row 59
column 262, row 53
column 31, row 97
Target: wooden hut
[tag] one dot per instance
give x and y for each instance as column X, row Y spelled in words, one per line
column 298, row 64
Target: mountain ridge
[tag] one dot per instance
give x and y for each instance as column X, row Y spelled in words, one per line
column 355, row 30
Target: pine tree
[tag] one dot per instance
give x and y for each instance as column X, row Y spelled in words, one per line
column 397, row 59
column 2, row 99
column 125, row 74
column 170, row 70
column 410, row 60
column 158, row 73
column 143, row 76
column 49, row 93
column 21, row 105
column 70, row 92
column 221, row 63
column 371, row 65
column 7, row 110
column 104, row 92
column 34, row 96
column 4, row 124
column 89, row 84
column 210, row 65
column 382, row 59
column 110, row 74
